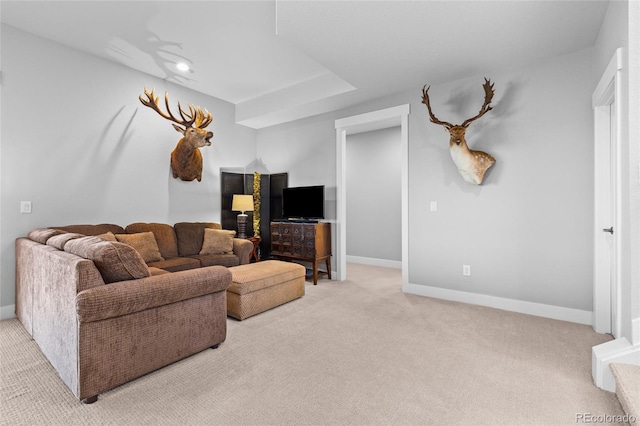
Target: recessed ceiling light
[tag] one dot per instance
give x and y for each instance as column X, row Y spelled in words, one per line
column 182, row 66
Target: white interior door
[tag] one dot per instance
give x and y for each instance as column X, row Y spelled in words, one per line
column 606, row 211
column 611, row 230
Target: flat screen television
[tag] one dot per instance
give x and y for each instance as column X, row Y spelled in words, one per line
column 303, row 202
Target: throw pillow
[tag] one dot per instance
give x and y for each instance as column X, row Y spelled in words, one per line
column 58, row 241
column 217, row 241
column 115, row 261
column 41, row 235
column 108, row 236
column 144, row 243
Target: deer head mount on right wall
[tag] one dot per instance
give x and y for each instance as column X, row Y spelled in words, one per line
column 471, row 164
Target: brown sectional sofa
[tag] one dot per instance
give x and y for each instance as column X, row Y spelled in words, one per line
column 103, row 317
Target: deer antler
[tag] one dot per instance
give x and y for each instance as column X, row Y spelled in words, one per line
column 425, row 100
column 203, row 118
column 196, row 115
column 488, row 96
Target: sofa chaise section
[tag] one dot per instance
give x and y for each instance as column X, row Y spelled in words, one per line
column 99, row 335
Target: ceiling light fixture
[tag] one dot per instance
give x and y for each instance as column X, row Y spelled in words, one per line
column 182, row 66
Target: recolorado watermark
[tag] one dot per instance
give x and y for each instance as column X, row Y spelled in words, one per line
column 605, row 418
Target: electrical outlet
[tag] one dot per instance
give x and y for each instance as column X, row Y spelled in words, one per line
column 25, row 206
column 466, row 270
column 433, row 206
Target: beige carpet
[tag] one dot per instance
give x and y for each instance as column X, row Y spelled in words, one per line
column 358, row 352
column 627, row 379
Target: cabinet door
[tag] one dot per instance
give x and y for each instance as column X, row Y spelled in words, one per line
column 286, row 238
column 285, row 229
column 311, row 241
column 309, row 249
column 297, row 235
column 275, row 231
column 275, row 238
column 310, row 232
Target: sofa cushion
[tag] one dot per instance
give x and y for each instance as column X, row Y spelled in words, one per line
column 217, row 259
column 144, row 243
column 92, row 229
column 115, row 261
column 165, row 236
column 157, row 271
column 41, row 235
column 217, row 241
column 191, row 235
column 58, row 241
column 175, row 264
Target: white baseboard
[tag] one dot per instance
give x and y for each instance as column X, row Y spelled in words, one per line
column 396, row 264
column 7, row 312
column 618, row 350
column 523, row 307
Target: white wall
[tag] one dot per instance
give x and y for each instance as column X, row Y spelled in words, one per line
column 78, row 144
column 527, row 231
column 305, row 149
column 373, row 201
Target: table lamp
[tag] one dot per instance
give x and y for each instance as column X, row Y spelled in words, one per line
column 242, row 203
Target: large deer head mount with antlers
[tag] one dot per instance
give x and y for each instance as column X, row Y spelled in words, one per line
column 186, row 159
column 471, row 164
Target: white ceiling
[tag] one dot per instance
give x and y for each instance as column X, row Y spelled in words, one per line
column 287, row 59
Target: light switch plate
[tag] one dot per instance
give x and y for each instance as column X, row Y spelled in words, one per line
column 25, row 206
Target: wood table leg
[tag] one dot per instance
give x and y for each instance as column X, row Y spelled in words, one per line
column 315, row 272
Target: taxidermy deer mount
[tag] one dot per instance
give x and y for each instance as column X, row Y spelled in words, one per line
column 471, row 164
column 186, row 159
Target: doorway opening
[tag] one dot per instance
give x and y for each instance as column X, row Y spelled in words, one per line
column 376, row 120
column 373, row 165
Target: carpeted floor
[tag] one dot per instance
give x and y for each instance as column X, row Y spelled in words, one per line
column 358, row 352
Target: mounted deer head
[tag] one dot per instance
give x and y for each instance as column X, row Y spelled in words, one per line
column 186, row 159
column 471, row 164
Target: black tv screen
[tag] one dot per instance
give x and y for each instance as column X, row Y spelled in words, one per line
column 303, row 202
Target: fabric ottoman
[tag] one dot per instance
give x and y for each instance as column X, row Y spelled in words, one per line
column 260, row 286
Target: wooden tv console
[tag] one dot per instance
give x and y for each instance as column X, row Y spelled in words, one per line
column 303, row 241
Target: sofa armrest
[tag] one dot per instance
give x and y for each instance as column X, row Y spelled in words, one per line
column 126, row 297
column 242, row 248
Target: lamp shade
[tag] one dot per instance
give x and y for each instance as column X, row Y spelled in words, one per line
column 242, row 203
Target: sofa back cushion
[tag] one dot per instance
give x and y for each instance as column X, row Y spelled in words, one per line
column 164, row 234
column 190, row 236
column 92, row 229
column 115, row 261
